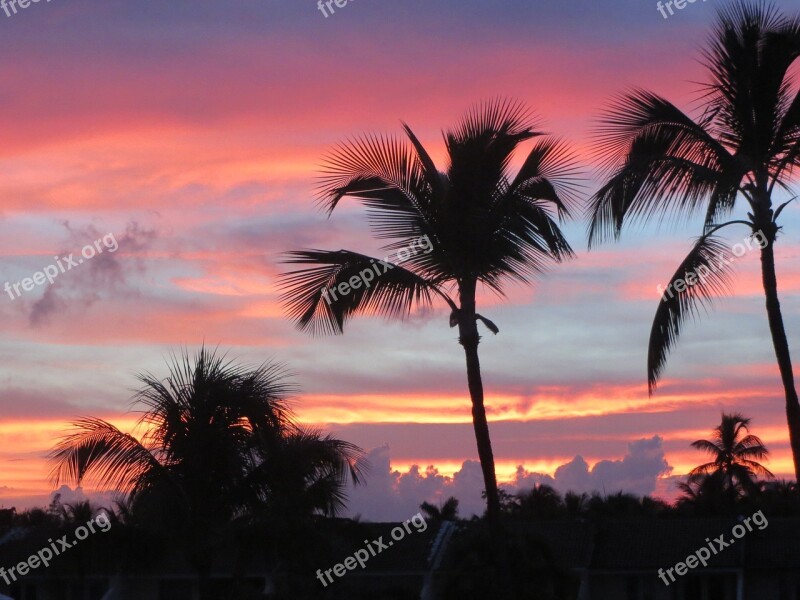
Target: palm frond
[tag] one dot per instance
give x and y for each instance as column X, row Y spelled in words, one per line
column 263, row 397
column 432, row 176
column 520, row 235
column 711, row 275
column 195, row 383
column 660, row 162
column 759, row 452
column 756, row 468
column 327, row 454
column 500, row 120
column 748, row 65
column 313, row 300
column 258, row 394
column 326, row 495
column 388, row 177
column 704, row 470
column 480, row 148
column 535, row 228
column 787, row 143
column 707, row 446
column 749, row 441
column 98, row 449
column 781, row 49
column 526, row 240
column 309, row 471
column 550, row 173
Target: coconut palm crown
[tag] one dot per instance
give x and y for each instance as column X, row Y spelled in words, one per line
column 735, row 454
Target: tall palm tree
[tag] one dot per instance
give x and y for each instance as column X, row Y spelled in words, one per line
column 480, row 223
column 213, row 432
column 743, row 146
column 735, row 452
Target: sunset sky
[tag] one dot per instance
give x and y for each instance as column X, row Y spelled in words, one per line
column 192, row 130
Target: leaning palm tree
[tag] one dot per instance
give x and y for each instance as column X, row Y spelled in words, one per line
column 473, row 223
column 735, row 453
column 743, row 147
column 211, row 433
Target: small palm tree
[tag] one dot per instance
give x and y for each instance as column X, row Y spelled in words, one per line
column 210, row 451
column 744, row 145
column 735, row 467
column 446, row 511
column 480, row 225
column 540, row 502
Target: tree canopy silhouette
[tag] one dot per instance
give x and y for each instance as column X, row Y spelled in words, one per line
column 743, row 146
column 219, row 441
column 484, row 225
column 734, row 467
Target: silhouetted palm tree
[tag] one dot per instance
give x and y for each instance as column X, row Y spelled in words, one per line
column 218, row 441
column 735, row 465
column 480, row 225
column 447, row 511
column 540, row 502
column 745, row 143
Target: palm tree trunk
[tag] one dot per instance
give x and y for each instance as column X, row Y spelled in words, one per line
column 781, row 345
column 469, row 339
